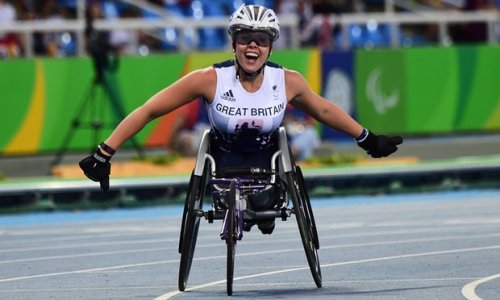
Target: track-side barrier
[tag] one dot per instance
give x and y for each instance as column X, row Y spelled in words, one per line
column 53, row 194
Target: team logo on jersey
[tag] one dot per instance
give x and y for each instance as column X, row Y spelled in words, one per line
column 275, row 93
column 228, row 96
column 249, row 126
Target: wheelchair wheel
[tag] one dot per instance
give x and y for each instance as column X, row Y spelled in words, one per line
column 184, row 213
column 307, row 206
column 304, row 223
column 231, row 240
column 190, row 225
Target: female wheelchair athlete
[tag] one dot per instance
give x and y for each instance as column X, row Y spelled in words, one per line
column 232, row 194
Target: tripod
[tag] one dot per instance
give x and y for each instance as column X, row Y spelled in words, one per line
column 90, row 101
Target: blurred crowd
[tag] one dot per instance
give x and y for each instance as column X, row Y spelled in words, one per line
column 323, row 34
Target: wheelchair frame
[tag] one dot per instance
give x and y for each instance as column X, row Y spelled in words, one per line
column 230, row 206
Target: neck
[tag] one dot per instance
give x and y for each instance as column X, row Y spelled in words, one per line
column 251, row 83
column 242, row 72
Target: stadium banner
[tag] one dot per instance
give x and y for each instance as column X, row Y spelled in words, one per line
column 406, row 91
column 429, row 90
column 42, row 97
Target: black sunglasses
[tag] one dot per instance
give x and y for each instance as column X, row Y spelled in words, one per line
column 260, row 38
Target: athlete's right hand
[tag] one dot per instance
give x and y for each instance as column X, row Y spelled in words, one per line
column 97, row 167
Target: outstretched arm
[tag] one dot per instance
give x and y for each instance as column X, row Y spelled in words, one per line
column 305, row 99
column 186, row 89
column 301, row 96
column 97, row 167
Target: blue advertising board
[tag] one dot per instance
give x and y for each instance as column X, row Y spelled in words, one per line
column 338, row 86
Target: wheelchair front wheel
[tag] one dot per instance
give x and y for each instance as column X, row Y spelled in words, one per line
column 304, row 223
column 189, row 227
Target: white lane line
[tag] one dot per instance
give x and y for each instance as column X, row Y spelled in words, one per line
column 364, row 281
column 323, row 237
column 252, row 254
column 198, row 287
column 77, row 289
column 469, row 290
column 172, row 261
column 115, row 243
column 175, row 293
column 58, row 257
column 266, row 284
column 68, row 238
column 88, row 270
column 89, row 254
column 219, row 257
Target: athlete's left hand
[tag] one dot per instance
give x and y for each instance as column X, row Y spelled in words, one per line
column 380, row 145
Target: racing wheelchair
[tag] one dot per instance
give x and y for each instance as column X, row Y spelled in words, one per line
column 232, row 195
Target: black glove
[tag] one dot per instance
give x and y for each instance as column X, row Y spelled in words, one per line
column 380, row 145
column 96, row 167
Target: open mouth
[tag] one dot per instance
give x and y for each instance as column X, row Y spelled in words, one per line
column 251, row 56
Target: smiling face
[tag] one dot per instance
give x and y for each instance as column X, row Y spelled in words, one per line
column 252, row 48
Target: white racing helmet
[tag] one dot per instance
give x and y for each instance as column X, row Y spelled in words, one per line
column 254, row 17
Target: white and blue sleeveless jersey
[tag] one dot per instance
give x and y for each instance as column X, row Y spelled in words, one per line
column 242, row 120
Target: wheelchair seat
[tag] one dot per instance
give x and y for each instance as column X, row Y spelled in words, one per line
column 259, row 188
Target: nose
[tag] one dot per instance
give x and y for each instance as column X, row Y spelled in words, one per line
column 252, row 43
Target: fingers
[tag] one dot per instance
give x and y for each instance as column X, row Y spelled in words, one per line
column 396, row 140
column 90, row 176
column 104, row 183
column 382, row 145
column 390, row 149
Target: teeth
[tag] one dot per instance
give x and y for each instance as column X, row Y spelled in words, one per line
column 253, row 55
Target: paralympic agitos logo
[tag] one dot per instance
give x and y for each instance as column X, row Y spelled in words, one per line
column 374, row 93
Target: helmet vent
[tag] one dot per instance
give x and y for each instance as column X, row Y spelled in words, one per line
column 254, row 17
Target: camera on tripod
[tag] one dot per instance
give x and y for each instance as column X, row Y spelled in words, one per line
column 98, row 45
